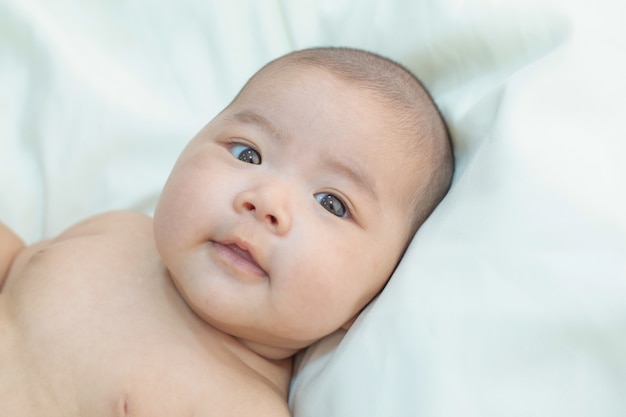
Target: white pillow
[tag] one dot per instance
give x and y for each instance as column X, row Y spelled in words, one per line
column 509, row 301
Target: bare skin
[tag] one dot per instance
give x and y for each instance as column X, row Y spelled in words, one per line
column 282, row 218
column 103, row 340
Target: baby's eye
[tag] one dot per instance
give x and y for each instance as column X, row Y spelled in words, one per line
column 332, row 204
column 246, row 154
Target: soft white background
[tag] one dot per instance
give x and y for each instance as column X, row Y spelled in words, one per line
column 511, row 300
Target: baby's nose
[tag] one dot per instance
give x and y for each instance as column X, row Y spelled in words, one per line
column 267, row 205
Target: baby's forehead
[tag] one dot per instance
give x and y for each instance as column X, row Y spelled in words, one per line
column 399, row 123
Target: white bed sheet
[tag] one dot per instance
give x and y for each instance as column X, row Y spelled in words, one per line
column 511, row 300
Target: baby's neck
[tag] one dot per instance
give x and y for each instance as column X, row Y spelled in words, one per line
column 278, row 372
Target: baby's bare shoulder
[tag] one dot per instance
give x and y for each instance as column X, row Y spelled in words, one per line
column 118, row 233
column 114, row 242
column 110, row 223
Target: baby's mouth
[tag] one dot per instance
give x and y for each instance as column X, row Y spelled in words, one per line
column 241, row 252
column 239, row 258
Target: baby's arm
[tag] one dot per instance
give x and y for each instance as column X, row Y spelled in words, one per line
column 10, row 245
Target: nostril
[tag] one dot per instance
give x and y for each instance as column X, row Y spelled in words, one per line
column 273, row 220
column 249, row 206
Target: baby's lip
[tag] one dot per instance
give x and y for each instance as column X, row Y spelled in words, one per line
column 240, row 255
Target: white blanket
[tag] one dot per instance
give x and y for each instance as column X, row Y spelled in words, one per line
column 511, row 300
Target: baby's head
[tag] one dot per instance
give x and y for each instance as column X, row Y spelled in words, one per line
column 289, row 211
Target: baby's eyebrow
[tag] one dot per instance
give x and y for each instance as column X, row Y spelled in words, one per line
column 252, row 118
column 360, row 178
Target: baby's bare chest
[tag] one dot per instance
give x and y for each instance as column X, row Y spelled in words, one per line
column 92, row 332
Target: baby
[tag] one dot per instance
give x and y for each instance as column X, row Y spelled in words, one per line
column 282, row 218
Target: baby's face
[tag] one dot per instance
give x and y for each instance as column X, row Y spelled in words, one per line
column 287, row 213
